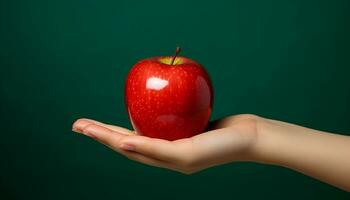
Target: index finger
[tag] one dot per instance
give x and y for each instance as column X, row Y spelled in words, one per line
column 83, row 122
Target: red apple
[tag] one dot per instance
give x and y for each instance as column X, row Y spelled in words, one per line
column 168, row 97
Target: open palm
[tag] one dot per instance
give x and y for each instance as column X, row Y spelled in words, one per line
column 226, row 140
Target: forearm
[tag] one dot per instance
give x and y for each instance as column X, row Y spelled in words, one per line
column 321, row 155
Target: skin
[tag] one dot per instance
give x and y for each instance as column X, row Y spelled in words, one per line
column 324, row 156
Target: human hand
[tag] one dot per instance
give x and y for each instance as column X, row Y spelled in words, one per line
column 227, row 140
column 318, row 154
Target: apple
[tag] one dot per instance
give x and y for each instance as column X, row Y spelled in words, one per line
column 168, row 97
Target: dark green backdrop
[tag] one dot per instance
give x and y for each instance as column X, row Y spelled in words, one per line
column 62, row 60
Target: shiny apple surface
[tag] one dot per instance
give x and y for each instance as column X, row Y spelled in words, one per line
column 168, row 101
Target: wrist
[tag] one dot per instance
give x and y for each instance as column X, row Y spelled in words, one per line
column 279, row 143
column 253, row 131
column 266, row 147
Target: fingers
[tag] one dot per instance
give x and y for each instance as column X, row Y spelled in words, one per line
column 112, row 127
column 81, row 123
column 129, row 145
column 150, row 151
column 151, row 147
column 111, row 139
column 103, row 135
column 112, row 135
column 116, row 139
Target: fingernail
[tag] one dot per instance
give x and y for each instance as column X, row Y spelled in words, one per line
column 127, row 147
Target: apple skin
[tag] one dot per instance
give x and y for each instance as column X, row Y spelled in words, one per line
column 168, row 101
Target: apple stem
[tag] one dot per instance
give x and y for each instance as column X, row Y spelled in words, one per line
column 178, row 50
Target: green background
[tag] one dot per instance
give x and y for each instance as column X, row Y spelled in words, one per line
column 62, row 60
